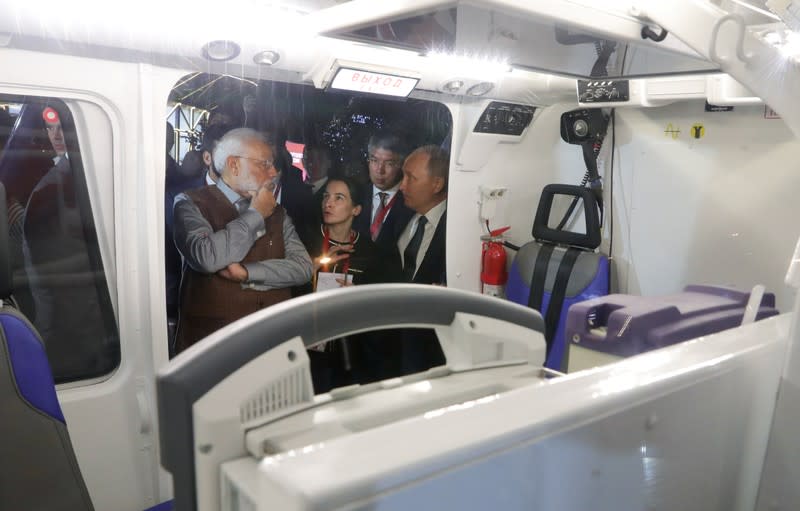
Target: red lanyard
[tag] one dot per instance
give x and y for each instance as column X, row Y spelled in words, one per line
column 381, row 214
column 326, row 244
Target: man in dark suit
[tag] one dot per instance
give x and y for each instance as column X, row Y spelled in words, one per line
column 383, row 217
column 318, row 163
column 62, row 264
column 384, row 213
column 422, row 243
column 292, row 193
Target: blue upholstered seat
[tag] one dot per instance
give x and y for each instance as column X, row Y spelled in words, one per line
column 38, row 469
column 560, row 266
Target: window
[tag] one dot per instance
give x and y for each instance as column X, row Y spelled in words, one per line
column 345, row 140
column 59, row 280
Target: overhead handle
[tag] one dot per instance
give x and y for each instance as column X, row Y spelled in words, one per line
column 740, row 26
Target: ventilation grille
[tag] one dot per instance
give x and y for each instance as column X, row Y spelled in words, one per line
column 280, row 396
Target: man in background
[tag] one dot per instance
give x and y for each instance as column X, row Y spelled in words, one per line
column 292, row 192
column 384, row 213
column 422, row 243
column 61, row 265
column 317, row 162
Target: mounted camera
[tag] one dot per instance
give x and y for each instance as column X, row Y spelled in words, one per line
column 584, row 125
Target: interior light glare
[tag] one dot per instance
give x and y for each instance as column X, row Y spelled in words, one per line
column 221, row 50
column 266, row 57
column 774, row 38
column 453, row 86
column 480, row 89
column 791, row 45
column 467, row 65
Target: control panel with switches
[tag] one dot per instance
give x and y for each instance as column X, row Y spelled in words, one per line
column 504, row 119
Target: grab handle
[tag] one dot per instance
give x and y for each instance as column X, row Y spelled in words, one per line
column 740, row 25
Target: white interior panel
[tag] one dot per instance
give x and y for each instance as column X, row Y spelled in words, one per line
column 112, row 422
column 720, row 209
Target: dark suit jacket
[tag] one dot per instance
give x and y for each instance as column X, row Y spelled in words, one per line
column 297, row 199
column 420, row 347
column 317, row 201
column 393, row 225
column 432, row 268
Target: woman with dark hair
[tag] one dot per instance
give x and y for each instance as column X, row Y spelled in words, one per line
column 336, row 248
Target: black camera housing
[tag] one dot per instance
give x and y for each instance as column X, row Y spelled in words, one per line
column 583, row 125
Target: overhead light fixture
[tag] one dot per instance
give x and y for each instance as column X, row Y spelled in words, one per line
column 221, row 50
column 786, row 41
column 266, row 57
column 791, row 45
column 469, row 66
column 453, row 86
column 480, row 89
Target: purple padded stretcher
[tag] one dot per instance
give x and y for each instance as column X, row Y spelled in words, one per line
column 626, row 325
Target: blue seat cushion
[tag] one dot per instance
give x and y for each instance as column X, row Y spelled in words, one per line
column 29, row 364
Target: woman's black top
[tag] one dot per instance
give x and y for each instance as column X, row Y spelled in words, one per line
column 360, row 358
column 368, row 263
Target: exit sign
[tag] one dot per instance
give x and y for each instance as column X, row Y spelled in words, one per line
column 369, row 82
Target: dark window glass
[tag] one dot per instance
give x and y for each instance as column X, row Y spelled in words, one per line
column 59, row 280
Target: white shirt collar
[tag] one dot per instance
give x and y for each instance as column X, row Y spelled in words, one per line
column 389, row 193
column 435, row 213
column 226, row 190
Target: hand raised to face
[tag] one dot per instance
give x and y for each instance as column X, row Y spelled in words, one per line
column 263, row 199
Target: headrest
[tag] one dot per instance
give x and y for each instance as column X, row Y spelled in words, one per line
column 546, row 228
column 5, row 253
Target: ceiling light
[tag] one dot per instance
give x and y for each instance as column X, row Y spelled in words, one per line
column 480, row 89
column 791, row 45
column 774, row 37
column 786, row 41
column 266, row 57
column 452, row 86
column 221, row 50
column 469, row 66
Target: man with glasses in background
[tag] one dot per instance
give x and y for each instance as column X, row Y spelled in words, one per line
column 241, row 250
column 384, row 213
column 383, row 217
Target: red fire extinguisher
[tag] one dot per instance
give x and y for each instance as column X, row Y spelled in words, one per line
column 493, row 264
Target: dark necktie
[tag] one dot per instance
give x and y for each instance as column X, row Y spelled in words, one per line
column 410, row 253
column 377, row 223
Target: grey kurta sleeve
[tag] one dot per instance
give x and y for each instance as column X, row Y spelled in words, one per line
column 207, row 251
column 294, row 269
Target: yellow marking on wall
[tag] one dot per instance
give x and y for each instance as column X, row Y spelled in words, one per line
column 672, row 131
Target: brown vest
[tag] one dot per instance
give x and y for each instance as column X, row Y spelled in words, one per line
column 208, row 301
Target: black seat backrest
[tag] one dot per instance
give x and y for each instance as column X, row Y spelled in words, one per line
column 38, row 468
column 544, row 233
